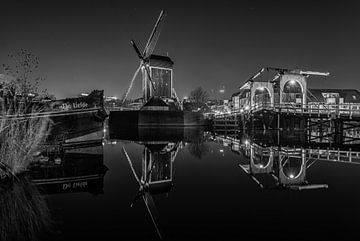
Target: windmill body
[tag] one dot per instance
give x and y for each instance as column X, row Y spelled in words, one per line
column 161, row 73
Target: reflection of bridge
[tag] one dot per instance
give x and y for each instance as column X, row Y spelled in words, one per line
column 319, row 153
column 287, row 166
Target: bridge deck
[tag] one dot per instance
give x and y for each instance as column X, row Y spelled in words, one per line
column 343, row 111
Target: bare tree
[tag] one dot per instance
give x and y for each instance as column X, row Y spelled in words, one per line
column 199, row 97
column 20, row 137
column 21, row 86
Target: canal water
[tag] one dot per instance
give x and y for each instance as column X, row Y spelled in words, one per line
column 187, row 184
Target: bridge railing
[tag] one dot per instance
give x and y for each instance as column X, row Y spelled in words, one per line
column 348, row 109
column 318, row 108
column 311, row 108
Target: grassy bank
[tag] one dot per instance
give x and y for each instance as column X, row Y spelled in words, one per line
column 20, row 140
column 24, row 212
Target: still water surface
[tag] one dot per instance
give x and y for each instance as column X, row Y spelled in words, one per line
column 194, row 185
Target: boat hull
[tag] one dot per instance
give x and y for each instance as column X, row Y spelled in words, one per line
column 71, row 125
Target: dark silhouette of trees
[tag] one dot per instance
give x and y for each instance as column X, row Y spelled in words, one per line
column 20, row 70
column 18, row 82
column 198, row 146
column 199, row 97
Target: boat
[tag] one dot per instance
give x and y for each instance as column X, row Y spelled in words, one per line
column 70, row 117
column 160, row 104
column 74, row 117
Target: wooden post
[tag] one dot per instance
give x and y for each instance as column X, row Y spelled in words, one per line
column 339, row 131
column 278, row 120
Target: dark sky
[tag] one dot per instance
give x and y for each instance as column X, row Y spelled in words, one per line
column 84, row 45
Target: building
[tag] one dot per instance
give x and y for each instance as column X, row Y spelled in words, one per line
column 334, row 96
column 240, row 99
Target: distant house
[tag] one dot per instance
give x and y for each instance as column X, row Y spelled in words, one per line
column 334, row 96
column 240, row 99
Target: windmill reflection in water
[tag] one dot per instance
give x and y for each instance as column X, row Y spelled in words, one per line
column 157, row 174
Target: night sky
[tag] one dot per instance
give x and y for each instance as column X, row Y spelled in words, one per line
column 85, row 45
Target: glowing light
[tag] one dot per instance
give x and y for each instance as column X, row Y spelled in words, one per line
column 292, row 82
column 221, row 150
column 261, row 166
column 247, row 107
column 57, row 160
column 241, row 110
column 222, row 91
column 292, row 176
column 261, row 88
column 246, row 142
column 111, row 98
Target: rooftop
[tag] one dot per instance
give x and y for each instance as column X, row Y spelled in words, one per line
column 161, row 61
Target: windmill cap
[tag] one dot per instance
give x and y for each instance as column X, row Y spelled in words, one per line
column 160, row 61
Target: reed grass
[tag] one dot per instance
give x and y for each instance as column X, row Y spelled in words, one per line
column 21, row 137
column 24, row 212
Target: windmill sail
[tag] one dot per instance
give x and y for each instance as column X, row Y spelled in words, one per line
column 154, row 36
column 131, row 84
column 149, row 48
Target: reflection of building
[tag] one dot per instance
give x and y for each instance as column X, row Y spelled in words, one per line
column 76, row 170
column 157, row 166
column 157, row 174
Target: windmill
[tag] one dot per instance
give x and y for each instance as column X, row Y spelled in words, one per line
column 147, row 83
